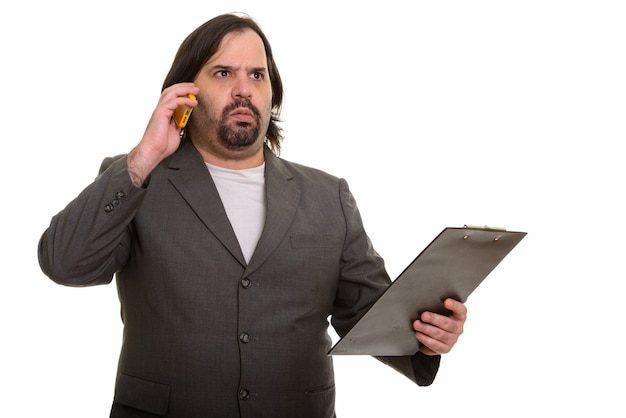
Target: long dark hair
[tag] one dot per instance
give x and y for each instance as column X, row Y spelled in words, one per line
column 202, row 44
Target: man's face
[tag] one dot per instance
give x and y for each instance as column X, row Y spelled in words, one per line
column 235, row 99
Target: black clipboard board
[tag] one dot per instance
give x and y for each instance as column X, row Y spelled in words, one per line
column 452, row 265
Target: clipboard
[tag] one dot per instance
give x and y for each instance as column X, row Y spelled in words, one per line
column 451, row 266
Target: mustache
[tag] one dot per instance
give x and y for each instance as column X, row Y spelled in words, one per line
column 239, row 102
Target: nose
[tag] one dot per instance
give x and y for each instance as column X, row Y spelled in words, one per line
column 241, row 88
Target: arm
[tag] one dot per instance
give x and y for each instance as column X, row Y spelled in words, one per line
column 162, row 135
column 363, row 279
column 437, row 335
column 88, row 241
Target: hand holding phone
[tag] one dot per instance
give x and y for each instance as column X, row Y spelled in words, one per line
column 182, row 112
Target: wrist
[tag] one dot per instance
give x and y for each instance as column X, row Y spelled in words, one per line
column 138, row 167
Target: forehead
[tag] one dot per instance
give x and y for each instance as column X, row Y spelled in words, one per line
column 243, row 47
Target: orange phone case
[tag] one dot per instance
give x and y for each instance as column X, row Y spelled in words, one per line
column 181, row 114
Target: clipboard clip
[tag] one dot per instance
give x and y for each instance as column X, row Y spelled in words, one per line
column 485, row 227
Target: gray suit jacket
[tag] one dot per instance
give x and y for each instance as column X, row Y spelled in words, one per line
column 205, row 333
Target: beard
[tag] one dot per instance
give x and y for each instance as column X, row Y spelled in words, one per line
column 239, row 135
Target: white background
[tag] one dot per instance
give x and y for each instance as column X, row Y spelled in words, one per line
column 438, row 113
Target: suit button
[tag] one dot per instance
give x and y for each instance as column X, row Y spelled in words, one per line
column 244, row 394
column 245, row 283
column 108, row 208
column 244, row 337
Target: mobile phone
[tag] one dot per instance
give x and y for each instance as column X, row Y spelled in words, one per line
column 181, row 114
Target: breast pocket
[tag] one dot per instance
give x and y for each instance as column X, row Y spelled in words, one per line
column 303, row 241
column 313, row 263
column 319, row 254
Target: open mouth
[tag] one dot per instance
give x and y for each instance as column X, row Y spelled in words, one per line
column 242, row 114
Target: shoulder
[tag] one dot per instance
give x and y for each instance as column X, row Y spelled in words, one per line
column 302, row 173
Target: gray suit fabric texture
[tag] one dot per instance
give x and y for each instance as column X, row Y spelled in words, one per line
column 205, row 333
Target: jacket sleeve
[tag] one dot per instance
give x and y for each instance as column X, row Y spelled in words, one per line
column 88, row 241
column 363, row 279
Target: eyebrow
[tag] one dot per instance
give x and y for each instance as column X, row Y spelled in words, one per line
column 231, row 67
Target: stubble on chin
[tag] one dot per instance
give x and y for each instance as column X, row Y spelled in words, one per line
column 237, row 136
column 227, row 138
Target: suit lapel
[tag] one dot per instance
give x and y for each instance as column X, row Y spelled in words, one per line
column 282, row 197
column 190, row 176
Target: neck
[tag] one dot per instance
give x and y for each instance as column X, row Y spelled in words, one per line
column 235, row 160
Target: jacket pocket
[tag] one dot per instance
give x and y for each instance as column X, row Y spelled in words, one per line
column 321, row 389
column 320, row 401
column 142, row 394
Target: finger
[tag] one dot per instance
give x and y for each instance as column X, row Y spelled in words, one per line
column 447, row 331
column 432, row 345
column 429, row 322
column 457, row 308
column 178, row 94
column 181, row 89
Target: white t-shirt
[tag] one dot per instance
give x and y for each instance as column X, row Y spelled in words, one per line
column 243, row 196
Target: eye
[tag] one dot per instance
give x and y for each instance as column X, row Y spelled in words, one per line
column 221, row 73
column 258, row 75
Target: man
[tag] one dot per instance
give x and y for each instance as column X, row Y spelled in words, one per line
column 228, row 259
